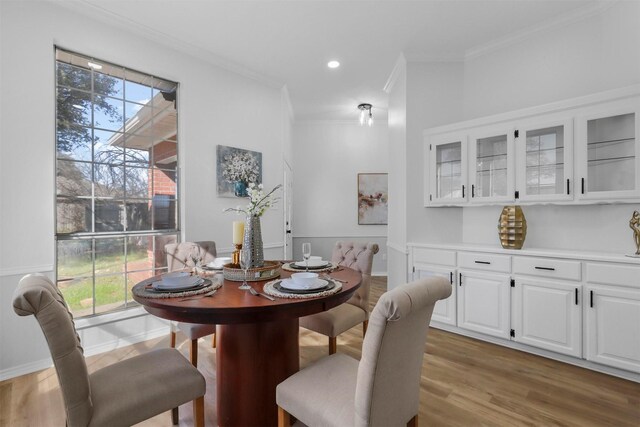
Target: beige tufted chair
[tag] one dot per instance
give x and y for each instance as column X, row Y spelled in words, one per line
column 332, row 323
column 179, row 256
column 383, row 389
column 122, row 394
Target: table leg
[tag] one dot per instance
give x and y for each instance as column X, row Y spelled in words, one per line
column 251, row 360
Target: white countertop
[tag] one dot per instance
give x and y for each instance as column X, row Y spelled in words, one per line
column 538, row 252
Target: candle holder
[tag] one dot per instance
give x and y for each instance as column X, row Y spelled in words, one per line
column 236, row 254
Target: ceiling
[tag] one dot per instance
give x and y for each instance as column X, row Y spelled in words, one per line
column 290, row 42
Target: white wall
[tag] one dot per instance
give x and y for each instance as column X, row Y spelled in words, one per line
column 596, row 54
column 327, row 159
column 216, row 107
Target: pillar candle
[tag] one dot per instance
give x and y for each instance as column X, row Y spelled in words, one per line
column 238, row 232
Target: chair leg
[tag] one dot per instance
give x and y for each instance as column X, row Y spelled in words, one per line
column 213, row 341
column 198, row 412
column 413, row 422
column 172, row 340
column 193, row 353
column 174, row 416
column 365, row 324
column 333, row 345
column 284, row 419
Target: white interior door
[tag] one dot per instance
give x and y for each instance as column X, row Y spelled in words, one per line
column 288, row 211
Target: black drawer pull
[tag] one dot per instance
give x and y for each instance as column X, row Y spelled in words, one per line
column 545, row 268
column 576, row 296
column 460, row 280
column 451, row 277
column 568, row 190
column 483, row 262
column 591, row 298
column 582, row 185
column 463, row 191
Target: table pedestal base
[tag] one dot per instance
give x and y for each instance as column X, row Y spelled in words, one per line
column 251, row 360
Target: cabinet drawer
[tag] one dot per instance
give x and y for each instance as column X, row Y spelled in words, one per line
column 614, row 274
column 547, row 267
column 434, row 256
column 481, row 261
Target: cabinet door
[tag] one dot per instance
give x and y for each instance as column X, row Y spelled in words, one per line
column 613, row 327
column 544, row 161
column 491, row 165
column 548, row 315
column 447, row 169
column 608, row 153
column 484, row 303
column 444, row 310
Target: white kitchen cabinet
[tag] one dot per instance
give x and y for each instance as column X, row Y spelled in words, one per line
column 444, row 310
column 544, row 161
column 608, row 152
column 491, row 165
column 447, row 156
column 613, row 326
column 484, row 302
column 547, row 314
column 579, row 151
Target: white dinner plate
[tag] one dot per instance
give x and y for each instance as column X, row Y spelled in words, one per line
column 290, row 284
column 191, row 282
column 314, row 263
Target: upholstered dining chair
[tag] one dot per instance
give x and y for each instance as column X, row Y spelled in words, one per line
column 120, row 394
column 179, row 256
column 332, row 323
column 383, row 389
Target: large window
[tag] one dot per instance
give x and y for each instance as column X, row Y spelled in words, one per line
column 116, row 180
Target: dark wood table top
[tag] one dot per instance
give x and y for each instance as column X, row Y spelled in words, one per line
column 230, row 305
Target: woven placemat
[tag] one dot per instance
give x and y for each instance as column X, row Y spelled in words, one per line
column 270, row 290
column 144, row 290
column 329, row 267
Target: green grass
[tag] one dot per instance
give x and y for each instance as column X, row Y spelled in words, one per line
column 108, row 289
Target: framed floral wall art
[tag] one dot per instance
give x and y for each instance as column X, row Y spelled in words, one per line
column 235, row 169
column 373, row 198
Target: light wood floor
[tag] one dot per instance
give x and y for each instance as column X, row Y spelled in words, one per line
column 465, row 382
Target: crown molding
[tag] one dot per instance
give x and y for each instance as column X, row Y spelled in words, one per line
column 559, row 21
column 286, row 97
column 108, row 17
column 342, row 122
column 398, row 68
column 426, row 58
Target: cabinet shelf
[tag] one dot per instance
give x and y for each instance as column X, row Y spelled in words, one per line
column 612, row 159
column 612, row 141
column 545, row 149
column 504, row 155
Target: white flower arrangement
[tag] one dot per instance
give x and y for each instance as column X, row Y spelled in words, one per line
column 259, row 202
column 240, row 166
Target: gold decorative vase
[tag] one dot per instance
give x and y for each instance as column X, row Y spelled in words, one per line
column 512, row 227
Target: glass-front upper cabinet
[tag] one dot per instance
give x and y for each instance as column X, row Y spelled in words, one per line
column 608, row 152
column 491, row 165
column 544, row 161
column 447, row 169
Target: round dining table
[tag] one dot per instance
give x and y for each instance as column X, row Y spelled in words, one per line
column 257, row 341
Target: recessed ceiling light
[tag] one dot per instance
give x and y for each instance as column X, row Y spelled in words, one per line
column 333, row 64
column 95, row 66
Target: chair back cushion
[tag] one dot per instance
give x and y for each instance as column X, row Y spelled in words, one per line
column 388, row 387
column 358, row 256
column 180, row 255
column 37, row 295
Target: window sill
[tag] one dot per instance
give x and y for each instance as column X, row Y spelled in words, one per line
column 90, row 322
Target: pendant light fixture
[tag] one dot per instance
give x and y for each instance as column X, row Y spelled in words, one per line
column 365, row 114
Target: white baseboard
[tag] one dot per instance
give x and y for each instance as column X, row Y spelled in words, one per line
column 38, row 365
